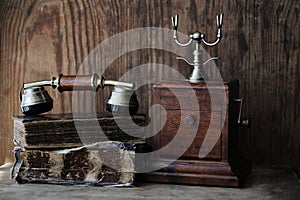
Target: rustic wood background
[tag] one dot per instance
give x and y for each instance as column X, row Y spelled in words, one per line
column 260, row 47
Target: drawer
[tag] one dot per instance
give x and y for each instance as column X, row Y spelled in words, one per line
column 170, row 99
column 211, row 135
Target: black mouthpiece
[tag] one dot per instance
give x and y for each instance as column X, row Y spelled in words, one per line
column 122, row 101
column 37, row 108
column 121, row 109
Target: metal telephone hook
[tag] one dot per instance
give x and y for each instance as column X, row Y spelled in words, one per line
column 197, row 37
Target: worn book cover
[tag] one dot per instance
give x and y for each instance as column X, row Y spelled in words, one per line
column 103, row 163
column 58, row 131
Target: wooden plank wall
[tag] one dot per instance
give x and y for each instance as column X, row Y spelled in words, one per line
column 260, row 47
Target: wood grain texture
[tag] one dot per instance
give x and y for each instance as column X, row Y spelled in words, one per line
column 204, row 118
column 194, row 173
column 260, row 47
column 221, row 163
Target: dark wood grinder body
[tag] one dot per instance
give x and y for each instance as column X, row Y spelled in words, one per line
column 223, row 165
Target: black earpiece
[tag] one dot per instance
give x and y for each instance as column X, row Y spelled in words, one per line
column 35, row 100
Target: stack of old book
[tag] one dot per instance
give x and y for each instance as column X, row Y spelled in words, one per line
column 61, row 149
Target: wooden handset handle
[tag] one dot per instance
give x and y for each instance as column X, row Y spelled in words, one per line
column 72, row 82
column 86, row 82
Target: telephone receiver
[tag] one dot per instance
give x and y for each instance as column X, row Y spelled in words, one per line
column 36, row 100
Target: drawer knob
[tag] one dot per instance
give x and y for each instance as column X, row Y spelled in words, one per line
column 189, row 120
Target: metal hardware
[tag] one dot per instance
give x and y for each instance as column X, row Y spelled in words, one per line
column 36, row 100
column 197, row 37
column 18, row 163
column 243, row 122
column 189, row 120
column 122, row 100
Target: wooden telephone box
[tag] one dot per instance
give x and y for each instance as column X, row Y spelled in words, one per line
column 223, row 165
